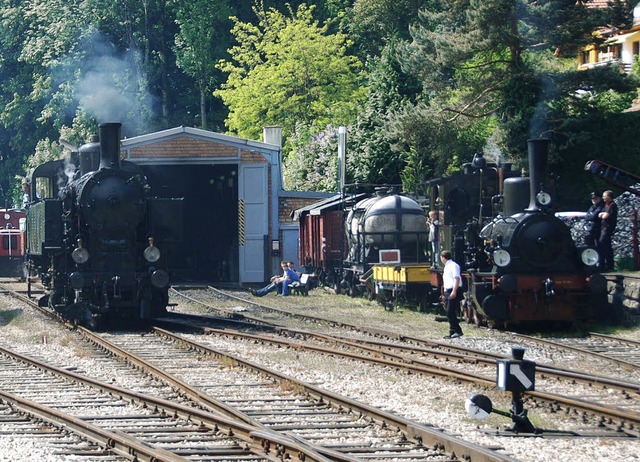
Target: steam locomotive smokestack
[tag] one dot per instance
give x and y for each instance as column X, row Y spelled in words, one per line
column 538, row 152
column 110, row 145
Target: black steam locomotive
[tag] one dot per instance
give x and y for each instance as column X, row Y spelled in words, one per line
column 94, row 236
column 525, row 265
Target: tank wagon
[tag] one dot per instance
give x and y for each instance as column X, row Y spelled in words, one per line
column 386, row 228
column 96, row 236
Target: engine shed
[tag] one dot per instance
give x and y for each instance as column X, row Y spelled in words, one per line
column 236, row 223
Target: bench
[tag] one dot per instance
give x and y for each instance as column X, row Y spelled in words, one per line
column 300, row 287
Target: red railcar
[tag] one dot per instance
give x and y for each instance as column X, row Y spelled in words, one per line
column 323, row 243
column 13, row 238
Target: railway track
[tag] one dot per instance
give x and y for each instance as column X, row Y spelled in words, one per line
column 350, row 334
column 315, row 422
column 610, row 349
column 21, row 421
column 339, row 427
column 625, row 352
column 129, row 424
column 613, row 400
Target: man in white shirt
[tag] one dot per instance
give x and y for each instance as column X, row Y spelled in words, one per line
column 451, row 281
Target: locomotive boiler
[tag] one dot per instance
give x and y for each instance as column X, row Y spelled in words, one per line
column 95, row 236
column 530, row 268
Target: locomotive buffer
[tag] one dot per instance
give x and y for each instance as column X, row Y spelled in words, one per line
column 625, row 180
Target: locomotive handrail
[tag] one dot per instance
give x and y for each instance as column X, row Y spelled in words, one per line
column 614, row 175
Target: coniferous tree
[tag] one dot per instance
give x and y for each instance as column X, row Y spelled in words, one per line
column 496, row 69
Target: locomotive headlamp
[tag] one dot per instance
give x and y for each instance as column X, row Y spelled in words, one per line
column 543, row 198
column 590, row 257
column 501, row 257
column 76, row 280
column 80, row 255
column 151, row 253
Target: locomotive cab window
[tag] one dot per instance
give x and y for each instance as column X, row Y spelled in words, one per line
column 44, row 188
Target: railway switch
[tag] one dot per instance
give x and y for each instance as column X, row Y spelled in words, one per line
column 517, row 376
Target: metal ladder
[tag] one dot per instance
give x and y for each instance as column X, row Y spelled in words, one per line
column 625, row 180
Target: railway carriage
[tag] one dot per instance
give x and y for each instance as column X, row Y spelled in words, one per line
column 12, row 236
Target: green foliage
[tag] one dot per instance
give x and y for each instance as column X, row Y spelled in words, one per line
column 421, row 85
column 287, row 70
column 202, row 38
column 373, row 24
column 493, row 70
column 372, row 157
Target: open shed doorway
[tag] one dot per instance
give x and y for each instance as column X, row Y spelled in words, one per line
column 209, row 250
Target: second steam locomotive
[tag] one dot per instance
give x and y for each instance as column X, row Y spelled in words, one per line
column 95, row 236
column 531, row 269
column 519, row 261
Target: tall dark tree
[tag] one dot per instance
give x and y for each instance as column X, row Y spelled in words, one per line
column 202, row 40
column 495, row 68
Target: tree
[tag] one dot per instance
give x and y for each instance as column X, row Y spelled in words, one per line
column 202, row 39
column 371, row 156
column 312, row 164
column 372, row 24
column 286, row 71
column 496, row 69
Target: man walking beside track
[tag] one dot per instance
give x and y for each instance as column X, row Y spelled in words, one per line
column 451, row 281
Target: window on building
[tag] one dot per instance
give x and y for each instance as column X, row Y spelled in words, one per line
column 584, row 57
column 636, row 48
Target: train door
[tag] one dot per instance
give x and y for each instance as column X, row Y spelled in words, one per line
column 253, row 221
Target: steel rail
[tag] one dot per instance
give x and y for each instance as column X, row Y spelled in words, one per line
column 584, row 351
column 424, row 434
column 119, row 443
column 193, row 393
column 609, row 412
column 260, row 441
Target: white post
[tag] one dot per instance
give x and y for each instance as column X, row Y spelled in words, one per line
column 342, row 160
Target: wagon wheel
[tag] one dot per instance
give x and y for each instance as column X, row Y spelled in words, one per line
column 478, row 319
column 470, row 313
column 467, row 309
column 370, row 294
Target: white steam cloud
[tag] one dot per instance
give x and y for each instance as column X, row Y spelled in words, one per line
column 111, row 89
